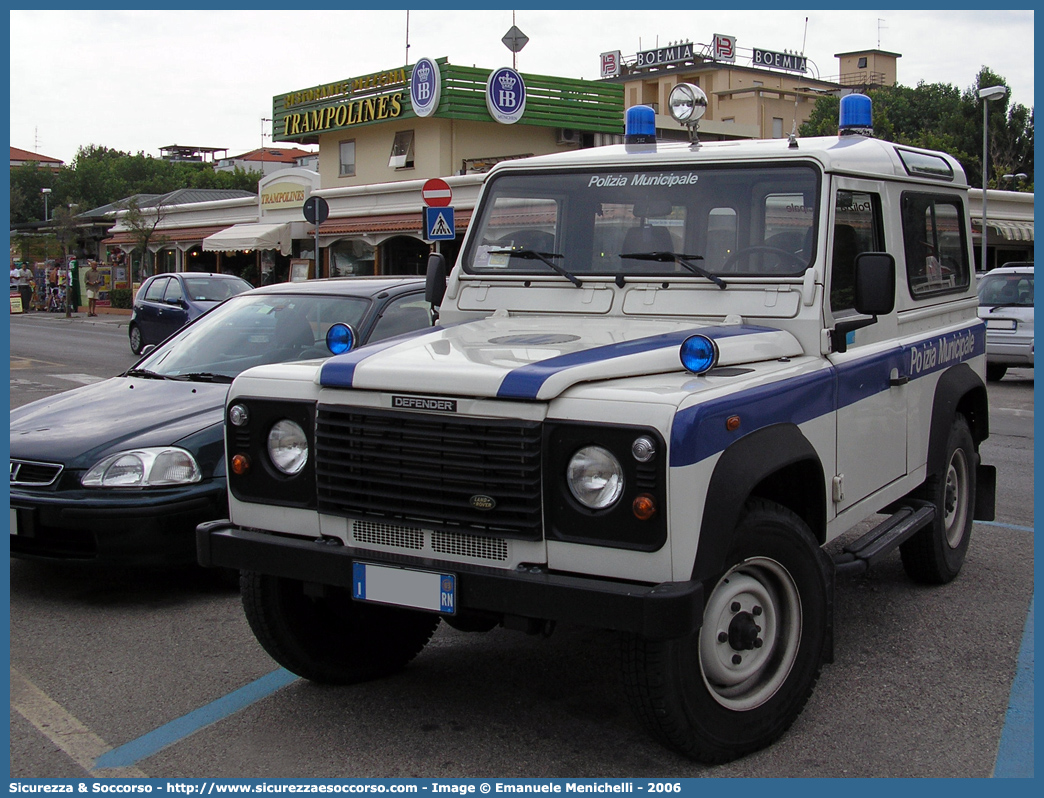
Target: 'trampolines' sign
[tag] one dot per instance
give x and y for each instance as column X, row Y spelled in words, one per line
column 789, row 61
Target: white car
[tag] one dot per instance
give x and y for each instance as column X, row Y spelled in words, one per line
column 1006, row 305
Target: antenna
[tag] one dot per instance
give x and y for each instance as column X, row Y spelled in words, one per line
column 407, row 38
column 793, row 131
column 879, row 27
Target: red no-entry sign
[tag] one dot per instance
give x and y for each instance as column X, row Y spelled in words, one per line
column 436, row 193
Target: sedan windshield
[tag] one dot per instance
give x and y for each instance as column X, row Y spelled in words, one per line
column 250, row 330
column 694, row 221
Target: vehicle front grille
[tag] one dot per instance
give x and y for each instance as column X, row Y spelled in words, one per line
column 31, row 474
column 472, row 476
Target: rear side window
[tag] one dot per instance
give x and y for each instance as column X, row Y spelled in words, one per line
column 935, row 244
column 154, row 293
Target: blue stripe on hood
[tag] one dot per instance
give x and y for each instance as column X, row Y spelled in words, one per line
column 525, row 382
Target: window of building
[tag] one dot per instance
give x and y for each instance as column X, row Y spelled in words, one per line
column 351, row 258
column 402, row 150
column 935, row 244
column 347, row 155
column 862, row 62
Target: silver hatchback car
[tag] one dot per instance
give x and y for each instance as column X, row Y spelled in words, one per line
column 1006, row 305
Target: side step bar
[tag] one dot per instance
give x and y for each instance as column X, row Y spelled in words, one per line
column 860, row 554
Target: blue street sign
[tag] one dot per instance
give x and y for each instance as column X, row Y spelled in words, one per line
column 438, row 224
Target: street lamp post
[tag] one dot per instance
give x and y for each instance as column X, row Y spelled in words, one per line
column 46, row 192
column 987, row 95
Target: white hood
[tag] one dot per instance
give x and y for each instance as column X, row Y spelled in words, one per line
column 539, row 357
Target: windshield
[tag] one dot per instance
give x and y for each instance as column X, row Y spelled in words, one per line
column 214, row 289
column 738, row 221
column 1012, row 290
column 252, row 329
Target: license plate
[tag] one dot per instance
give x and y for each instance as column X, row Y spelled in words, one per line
column 1000, row 324
column 404, row 587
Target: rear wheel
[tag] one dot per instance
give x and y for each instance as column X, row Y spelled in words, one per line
column 136, row 341
column 995, row 372
column 738, row 683
column 936, row 553
column 325, row 636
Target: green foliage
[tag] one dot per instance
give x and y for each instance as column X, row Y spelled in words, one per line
column 942, row 117
column 100, row 175
column 120, row 297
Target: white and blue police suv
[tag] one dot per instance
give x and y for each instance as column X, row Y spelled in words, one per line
column 664, row 376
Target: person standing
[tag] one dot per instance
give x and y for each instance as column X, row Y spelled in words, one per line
column 25, row 286
column 93, row 280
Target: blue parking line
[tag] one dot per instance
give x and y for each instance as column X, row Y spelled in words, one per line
column 1005, row 526
column 177, row 730
column 1015, row 753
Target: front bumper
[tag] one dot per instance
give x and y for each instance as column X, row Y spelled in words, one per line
column 670, row 609
column 127, row 528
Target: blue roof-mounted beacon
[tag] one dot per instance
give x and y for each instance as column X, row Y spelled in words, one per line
column 856, row 117
column 640, row 125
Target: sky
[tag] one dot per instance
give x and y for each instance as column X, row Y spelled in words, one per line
column 141, row 80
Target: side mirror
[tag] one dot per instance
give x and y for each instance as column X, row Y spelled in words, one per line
column 874, row 295
column 435, row 283
column 874, row 283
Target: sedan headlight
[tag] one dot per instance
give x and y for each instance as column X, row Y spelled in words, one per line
column 288, row 447
column 144, row 468
column 595, row 477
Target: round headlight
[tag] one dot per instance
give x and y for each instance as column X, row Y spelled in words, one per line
column 288, row 447
column 595, row 477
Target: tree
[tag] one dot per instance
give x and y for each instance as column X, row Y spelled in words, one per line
column 941, row 117
column 100, row 175
column 142, row 224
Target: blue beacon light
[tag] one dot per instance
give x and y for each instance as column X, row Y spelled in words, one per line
column 698, row 354
column 340, row 338
column 856, row 116
column 640, row 125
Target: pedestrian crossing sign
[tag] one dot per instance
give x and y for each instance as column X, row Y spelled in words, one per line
column 438, row 224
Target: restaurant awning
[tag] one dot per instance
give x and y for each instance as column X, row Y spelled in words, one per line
column 240, row 237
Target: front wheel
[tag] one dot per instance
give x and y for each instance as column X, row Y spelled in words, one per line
column 936, row 553
column 995, row 372
column 325, row 636
column 738, row 683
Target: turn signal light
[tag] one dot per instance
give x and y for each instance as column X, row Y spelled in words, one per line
column 644, row 507
column 240, row 464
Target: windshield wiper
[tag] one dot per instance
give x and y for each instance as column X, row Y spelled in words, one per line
column 203, row 376
column 532, row 254
column 145, row 373
column 684, row 260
